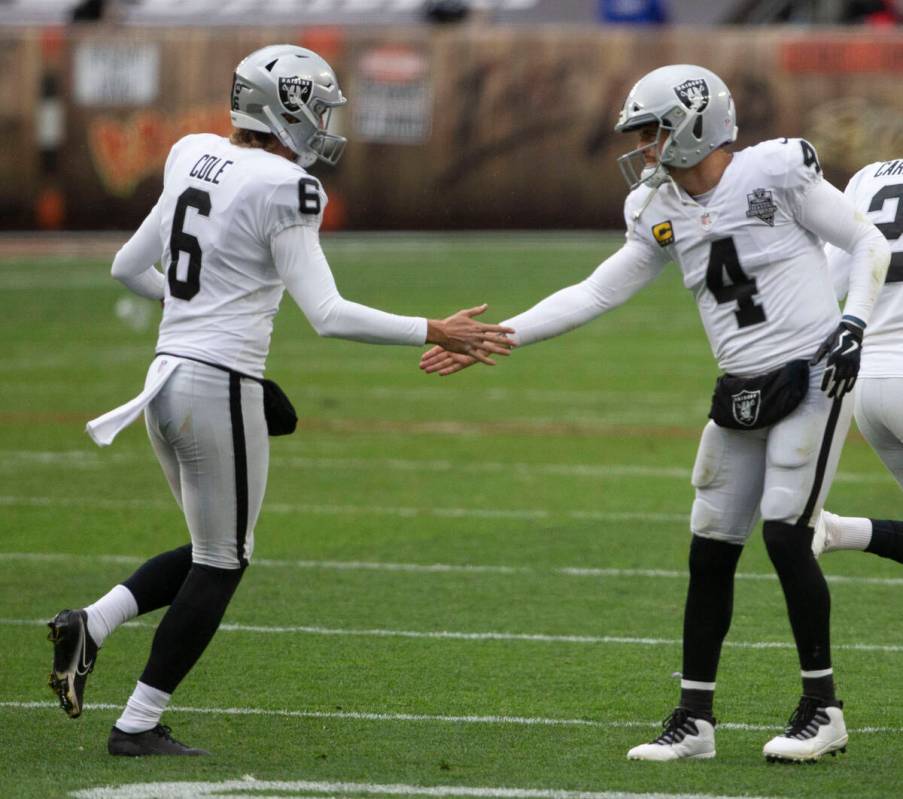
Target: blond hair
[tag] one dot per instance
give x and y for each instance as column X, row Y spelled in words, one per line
column 254, row 138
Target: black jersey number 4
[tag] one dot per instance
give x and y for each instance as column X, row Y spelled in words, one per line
column 728, row 282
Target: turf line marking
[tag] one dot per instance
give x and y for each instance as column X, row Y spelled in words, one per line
column 454, row 635
column 442, row 568
column 370, row 510
column 304, row 789
column 87, row 459
column 528, row 721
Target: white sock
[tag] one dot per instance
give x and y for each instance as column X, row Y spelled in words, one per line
column 143, row 710
column 107, row 613
column 849, row 532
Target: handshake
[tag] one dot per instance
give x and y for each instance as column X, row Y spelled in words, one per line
column 461, row 341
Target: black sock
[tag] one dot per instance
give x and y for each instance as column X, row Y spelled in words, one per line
column 887, row 539
column 707, row 617
column 807, row 596
column 698, row 702
column 820, row 687
column 156, row 582
column 189, row 624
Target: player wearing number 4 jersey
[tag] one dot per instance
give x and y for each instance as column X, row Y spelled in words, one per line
column 877, row 190
column 237, row 223
column 746, row 231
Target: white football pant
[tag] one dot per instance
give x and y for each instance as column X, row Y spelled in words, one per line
column 783, row 472
column 208, row 430
column 879, row 416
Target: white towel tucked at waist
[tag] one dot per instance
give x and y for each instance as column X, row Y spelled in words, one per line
column 105, row 428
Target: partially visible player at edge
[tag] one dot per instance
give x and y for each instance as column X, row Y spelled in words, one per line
column 876, row 190
column 237, row 223
column 746, row 230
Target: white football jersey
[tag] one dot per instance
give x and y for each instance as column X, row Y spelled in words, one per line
column 759, row 277
column 220, row 208
column 877, row 191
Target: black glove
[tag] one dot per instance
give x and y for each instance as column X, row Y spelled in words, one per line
column 843, row 348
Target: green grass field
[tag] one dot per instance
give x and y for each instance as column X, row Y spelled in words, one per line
column 470, row 586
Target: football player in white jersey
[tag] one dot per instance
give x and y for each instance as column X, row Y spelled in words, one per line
column 877, row 191
column 746, row 231
column 237, row 223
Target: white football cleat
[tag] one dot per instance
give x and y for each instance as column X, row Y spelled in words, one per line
column 822, row 540
column 813, row 730
column 685, row 737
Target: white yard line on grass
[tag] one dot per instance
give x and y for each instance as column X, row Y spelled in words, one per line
column 370, row 510
column 441, row 568
column 284, row 789
column 455, row 635
column 89, row 459
column 248, row 787
column 529, row 721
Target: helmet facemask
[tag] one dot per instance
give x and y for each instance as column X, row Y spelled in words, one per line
column 636, row 168
column 305, row 132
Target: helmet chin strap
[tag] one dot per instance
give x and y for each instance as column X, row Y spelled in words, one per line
column 639, row 212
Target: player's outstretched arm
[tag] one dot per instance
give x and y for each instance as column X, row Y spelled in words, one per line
column 302, row 266
column 613, row 282
column 461, row 334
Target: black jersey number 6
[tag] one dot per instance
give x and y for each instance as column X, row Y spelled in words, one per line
column 180, row 241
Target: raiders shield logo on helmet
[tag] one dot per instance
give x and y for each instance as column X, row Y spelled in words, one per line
column 294, row 92
column 694, row 94
column 745, row 405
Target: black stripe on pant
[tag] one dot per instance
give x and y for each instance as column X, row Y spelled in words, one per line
column 805, row 519
column 241, row 466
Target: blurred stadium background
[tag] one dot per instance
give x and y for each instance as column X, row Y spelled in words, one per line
column 477, row 581
column 463, row 115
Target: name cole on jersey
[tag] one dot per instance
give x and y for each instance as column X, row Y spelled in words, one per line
column 751, row 266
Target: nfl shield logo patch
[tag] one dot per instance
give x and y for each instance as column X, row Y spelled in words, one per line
column 745, row 406
column 694, row 94
column 294, row 92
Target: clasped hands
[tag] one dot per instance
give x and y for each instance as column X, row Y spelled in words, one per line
column 461, row 341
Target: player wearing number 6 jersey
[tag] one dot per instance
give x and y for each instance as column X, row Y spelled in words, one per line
column 746, row 231
column 877, row 190
column 237, row 223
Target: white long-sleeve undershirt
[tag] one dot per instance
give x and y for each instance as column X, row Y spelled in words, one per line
column 614, row 281
column 832, row 217
column 134, row 266
column 303, row 267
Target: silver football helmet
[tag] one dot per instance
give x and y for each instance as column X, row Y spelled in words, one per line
column 290, row 92
column 694, row 111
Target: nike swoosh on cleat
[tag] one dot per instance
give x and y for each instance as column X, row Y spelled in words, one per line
column 85, row 666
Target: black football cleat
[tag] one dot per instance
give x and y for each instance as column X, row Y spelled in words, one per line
column 157, row 741
column 74, row 655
